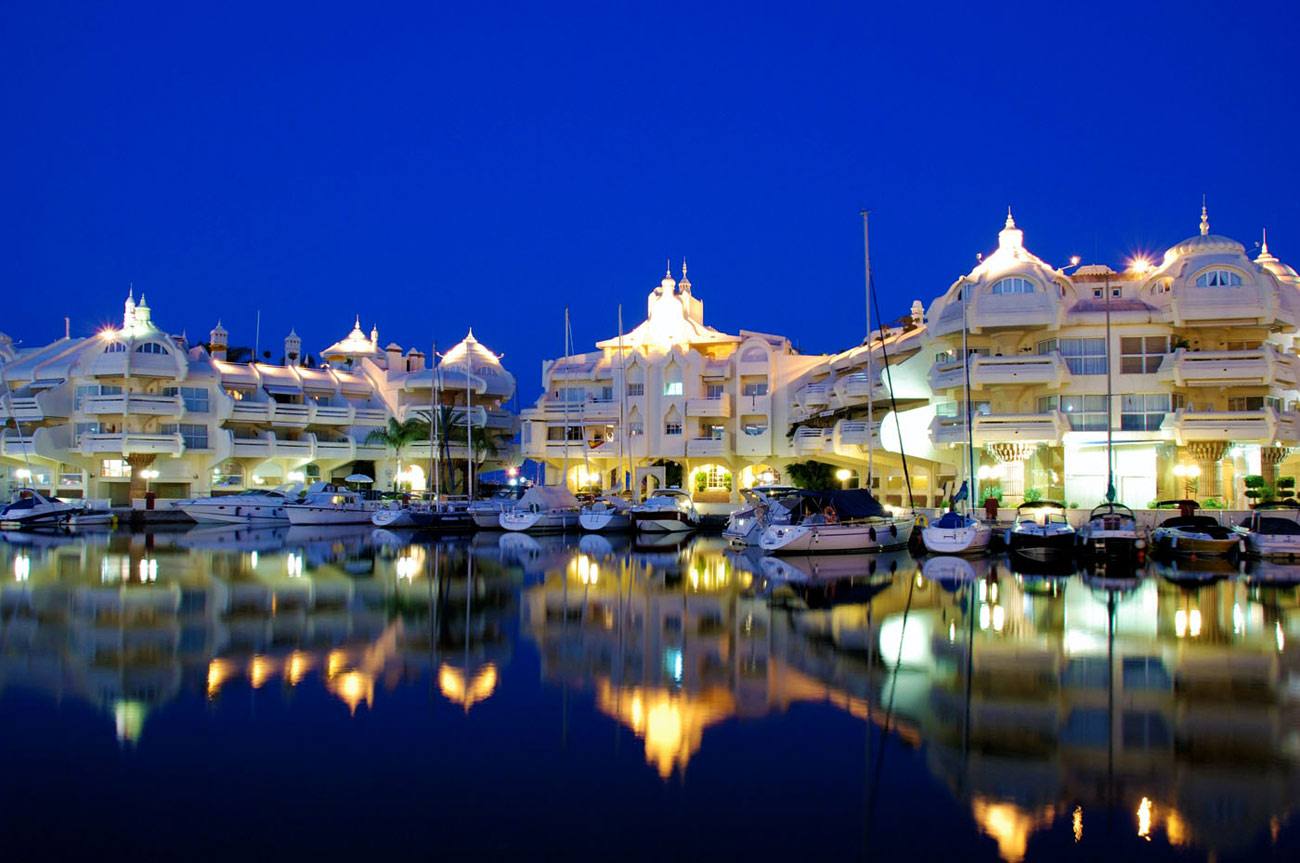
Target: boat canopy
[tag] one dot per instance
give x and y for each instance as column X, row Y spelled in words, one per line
column 1040, row 504
column 847, row 503
column 1110, row 509
column 951, row 520
column 543, row 497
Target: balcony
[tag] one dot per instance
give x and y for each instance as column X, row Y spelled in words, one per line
column 133, row 403
column 854, row 433
column 331, row 415
column 1020, row 428
column 130, row 443
column 947, row 430
column 811, row 441
column 856, row 387
column 17, row 445
column 754, row 404
column 259, row 447
column 369, row 416
column 709, row 446
column 754, row 444
column 250, row 411
column 24, row 409
column 304, row 448
column 1264, row 425
column 717, row 406
column 1254, row 368
column 1033, row 369
column 290, row 415
column 336, row 449
column 134, row 364
column 947, row 375
column 814, row 395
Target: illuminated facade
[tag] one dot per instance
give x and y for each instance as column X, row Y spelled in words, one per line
column 136, row 408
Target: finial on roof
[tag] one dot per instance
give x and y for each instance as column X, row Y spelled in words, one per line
column 469, row 336
column 130, row 291
column 683, row 266
column 1011, row 223
column 668, row 268
column 1263, row 243
column 1205, row 217
column 143, row 301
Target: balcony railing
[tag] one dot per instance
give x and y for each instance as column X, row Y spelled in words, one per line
column 130, row 443
column 251, row 411
column 1259, row 367
column 705, row 446
column 714, row 406
column 251, row 447
column 947, row 375
column 1264, row 425
column 1020, row 428
column 17, row 445
column 24, row 408
column 810, row 441
column 331, row 414
column 294, row 415
column 1040, row 369
column 814, row 394
column 854, row 433
column 146, row 404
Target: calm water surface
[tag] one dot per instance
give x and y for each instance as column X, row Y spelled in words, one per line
column 283, row 694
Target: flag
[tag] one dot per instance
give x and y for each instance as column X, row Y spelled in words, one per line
column 962, row 493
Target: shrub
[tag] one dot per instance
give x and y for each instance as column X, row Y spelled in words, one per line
column 992, row 491
column 1212, row 503
column 813, row 475
column 1033, row 495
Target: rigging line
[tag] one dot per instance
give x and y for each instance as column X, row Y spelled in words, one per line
column 889, row 707
column 893, row 403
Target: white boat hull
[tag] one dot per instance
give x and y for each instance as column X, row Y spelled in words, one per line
column 666, row 523
column 302, row 514
column 555, row 521
column 209, row 513
column 970, row 539
column 836, row 538
column 604, row 522
column 1273, row 545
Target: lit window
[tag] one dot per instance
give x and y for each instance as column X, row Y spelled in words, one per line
column 673, row 388
column 755, row 388
column 754, row 429
column 1085, row 413
column 1143, row 412
column 1218, row 279
column 151, row 348
column 672, row 427
column 1013, row 285
column 115, row 348
column 1084, row 356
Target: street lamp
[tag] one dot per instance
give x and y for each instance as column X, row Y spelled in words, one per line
column 1189, row 474
column 149, row 475
column 843, row 475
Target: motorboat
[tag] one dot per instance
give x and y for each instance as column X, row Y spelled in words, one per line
column 327, row 504
column 668, row 510
column 486, row 513
column 542, row 509
column 1041, row 532
column 255, row 505
column 953, row 571
column 29, row 508
column 423, row 517
column 850, row 520
column 1190, row 535
column 1112, row 532
column 88, row 515
column 606, row 514
column 815, row 567
column 1273, row 530
column 955, row 533
column 763, row 507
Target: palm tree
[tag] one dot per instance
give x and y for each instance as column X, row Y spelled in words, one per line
column 453, row 425
column 397, row 435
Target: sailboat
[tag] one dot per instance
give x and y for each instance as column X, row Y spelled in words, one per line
column 954, row 532
column 850, row 520
column 611, row 512
column 1111, row 532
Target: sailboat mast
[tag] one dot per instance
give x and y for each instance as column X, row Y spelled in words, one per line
column 1110, row 435
column 433, row 421
column 970, row 416
column 469, row 425
column 564, row 397
column 871, row 384
column 622, row 403
column 582, row 416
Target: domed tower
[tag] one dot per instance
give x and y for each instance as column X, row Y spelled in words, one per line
column 143, row 315
column 292, row 348
column 218, row 342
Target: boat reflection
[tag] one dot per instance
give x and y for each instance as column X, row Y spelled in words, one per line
column 1155, row 704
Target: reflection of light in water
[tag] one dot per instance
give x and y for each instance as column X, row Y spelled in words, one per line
column 455, row 688
column 148, row 569
column 218, row 672
column 673, row 663
column 1144, row 818
column 1078, row 824
column 259, row 670
column 985, row 615
column 252, row 558
column 335, row 662
column 908, row 645
column 709, row 571
column 672, row 723
column 353, row 687
column 999, row 618
column 1010, row 826
column 22, row 567
column 1187, row 622
column 293, row 565
column 583, row 569
column 1278, row 636
column 128, row 716
column 1238, row 619
column 410, row 562
column 297, row 667
column 1175, row 828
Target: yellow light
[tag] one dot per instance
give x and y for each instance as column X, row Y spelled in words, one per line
column 335, row 662
column 297, row 668
column 218, row 671
column 22, row 567
column 1194, row 622
column 1074, row 260
column 353, row 688
column 1144, row 818
column 259, row 670
column 1140, row 264
column 843, row 474
column 108, row 334
column 455, row 688
column 1279, row 636
column 1180, row 623
column 23, row 474
column 1078, row 824
column 297, row 476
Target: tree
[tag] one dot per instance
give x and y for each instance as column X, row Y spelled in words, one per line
column 813, row 475
column 397, row 435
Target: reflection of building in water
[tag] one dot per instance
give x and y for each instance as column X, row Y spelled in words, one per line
column 1167, row 703
column 131, row 623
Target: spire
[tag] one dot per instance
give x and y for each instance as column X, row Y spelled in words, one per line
column 1263, row 243
column 1205, row 217
column 1011, row 237
column 683, row 267
column 685, row 283
column 668, row 268
column 1011, row 223
column 469, row 336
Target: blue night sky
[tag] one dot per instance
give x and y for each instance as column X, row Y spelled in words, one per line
column 442, row 165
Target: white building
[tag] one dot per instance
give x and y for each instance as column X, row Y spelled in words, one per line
column 136, row 407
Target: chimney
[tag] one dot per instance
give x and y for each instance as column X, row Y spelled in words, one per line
column 394, row 354
column 414, row 360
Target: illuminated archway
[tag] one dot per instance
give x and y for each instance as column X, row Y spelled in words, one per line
column 759, row 474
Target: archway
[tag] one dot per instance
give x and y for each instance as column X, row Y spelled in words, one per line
column 759, row 474
column 711, row 483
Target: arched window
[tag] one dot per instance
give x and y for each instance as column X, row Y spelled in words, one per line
column 673, row 380
column 672, row 422
column 151, row 348
column 1013, row 285
column 754, row 354
column 1218, row 279
column 115, row 348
